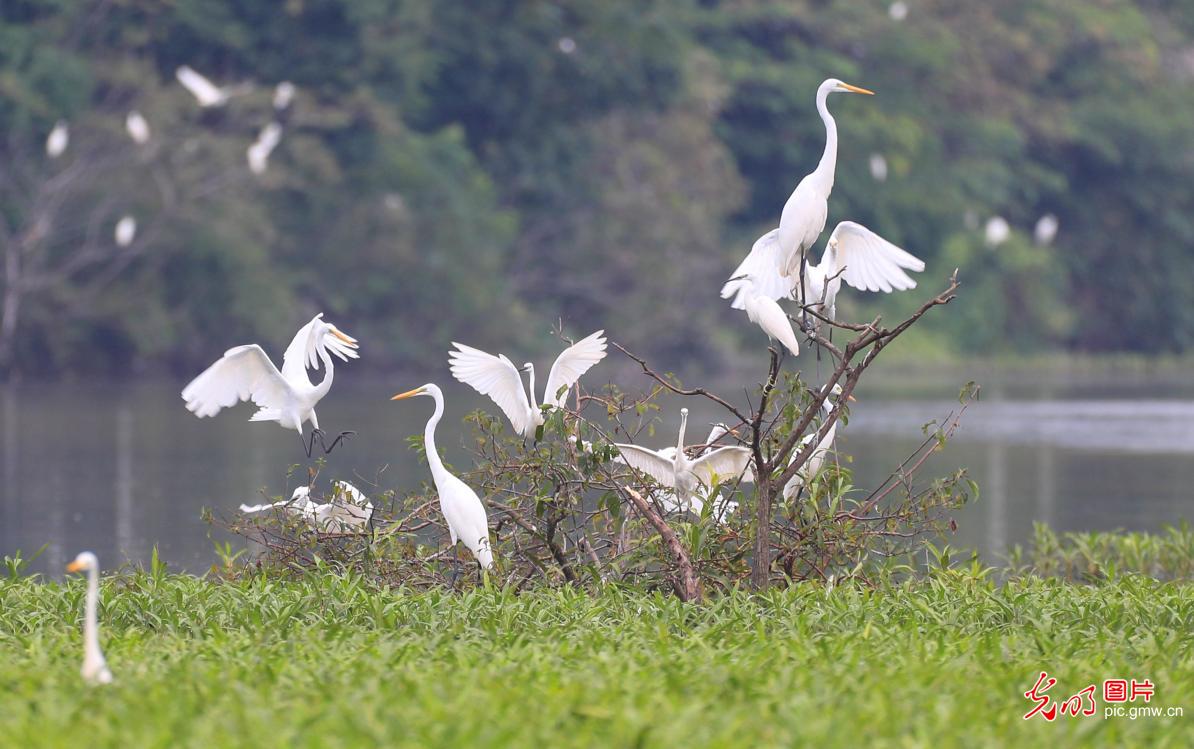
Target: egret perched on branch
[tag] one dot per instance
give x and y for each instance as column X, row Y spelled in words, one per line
column 854, row 254
column 283, row 95
column 460, row 505
column 349, row 509
column 816, row 460
column 766, row 313
column 674, row 470
column 721, row 508
column 58, row 139
column 205, row 92
column 258, row 153
column 137, row 127
column 95, row 668
column 287, row 397
column 498, row 378
column 807, row 209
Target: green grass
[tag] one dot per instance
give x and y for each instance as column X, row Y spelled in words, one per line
column 328, row 661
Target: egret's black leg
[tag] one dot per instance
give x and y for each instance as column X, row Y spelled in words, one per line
column 308, row 445
column 341, row 436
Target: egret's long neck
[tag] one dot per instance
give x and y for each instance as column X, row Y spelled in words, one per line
column 680, row 438
column 433, row 459
column 828, row 164
column 534, row 403
column 329, row 372
column 91, row 647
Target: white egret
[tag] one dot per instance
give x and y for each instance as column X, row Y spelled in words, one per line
column 878, row 166
column 498, row 378
column 460, row 505
column 722, row 508
column 287, row 397
column 898, row 10
column 807, row 209
column 854, row 254
column 283, row 95
column 205, row 92
column 137, row 127
column 1046, row 229
column 349, row 508
column 816, row 461
column 258, row 153
column 58, row 139
column 126, row 231
column 767, row 314
column 672, row 468
column 95, row 668
column 996, row 231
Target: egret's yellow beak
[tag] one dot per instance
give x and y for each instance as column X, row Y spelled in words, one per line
column 734, row 432
column 74, row 567
column 346, row 338
column 857, row 90
column 408, row 394
column 851, row 398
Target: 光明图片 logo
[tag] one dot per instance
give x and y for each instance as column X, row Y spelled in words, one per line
column 1084, row 702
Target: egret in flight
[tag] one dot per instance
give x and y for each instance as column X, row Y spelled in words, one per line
column 854, row 254
column 95, row 668
column 460, row 505
column 498, row 378
column 804, row 215
column 287, row 397
column 673, row 469
column 816, row 461
column 349, row 509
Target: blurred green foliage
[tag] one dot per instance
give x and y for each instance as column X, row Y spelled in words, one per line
column 477, row 172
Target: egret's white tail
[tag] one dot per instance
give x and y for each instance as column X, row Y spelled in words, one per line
column 484, row 554
column 266, row 414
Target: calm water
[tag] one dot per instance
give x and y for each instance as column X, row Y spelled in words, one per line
column 119, row 468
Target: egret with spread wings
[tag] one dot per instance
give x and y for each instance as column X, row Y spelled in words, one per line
column 673, row 469
column 287, row 397
column 498, row 378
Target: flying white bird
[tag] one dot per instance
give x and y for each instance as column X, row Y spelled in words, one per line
column 996, row 231
column 126, row 231
column 287, row 397
column 138, row 127
column 267, row 141
column 1046, row 229
column 349, row 509
column 498, row 378
column 95, row 668
column 58, row 139
column 854, row 254
column 878, row 167
column 804, row 214
column 283, row 95
column 816, row 461
column 460, row 505
column 205, row 92
column 674, row 470
column 898, row 10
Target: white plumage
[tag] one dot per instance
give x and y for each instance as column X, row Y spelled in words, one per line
column 287, row 397
column 126, row 231
column 58, row 139
column 768, row 315
column 259, row 152
column 816, row 461
column 722, row 508
column 137, row 127
column 349, row 509
column 95, row 667
column 996, row 231
column 205, row 92
column 1046, row 229
column 498, row 378
column 460, row 505
column 283, row 95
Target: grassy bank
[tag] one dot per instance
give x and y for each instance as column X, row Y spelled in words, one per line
column 327, row 661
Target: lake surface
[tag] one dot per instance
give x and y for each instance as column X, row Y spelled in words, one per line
column 119, row 468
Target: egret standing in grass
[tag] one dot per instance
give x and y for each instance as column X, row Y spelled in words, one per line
column 460, row 505
column 498, row 378
column 95, row 668
column 287, row 397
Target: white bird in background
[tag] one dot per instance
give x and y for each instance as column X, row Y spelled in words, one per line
column 95, row 668
column 854, row 254
column 816, row 461
column 58, row 139
column 878, row 167
column 349, row 508
column 138, row 127
column 898, row 11
column 287, row 397
column 807, row 209
column 267, row 141
column 460, row 505
column 126, row 231
column 205, row 92
column 674, row 470
column 1046, row 230
column 996, row 231
column 498, row 378
column 283, row 95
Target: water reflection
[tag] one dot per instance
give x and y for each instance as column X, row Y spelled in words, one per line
column 119, row 468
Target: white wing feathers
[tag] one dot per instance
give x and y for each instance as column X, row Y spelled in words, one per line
column 303, row 352
column 871, row 263
column 726, row 463
column 243, row 373
column 657, row 465
column 570, row 365
column 763, row 265
column 768, row 315
column 496, row 377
